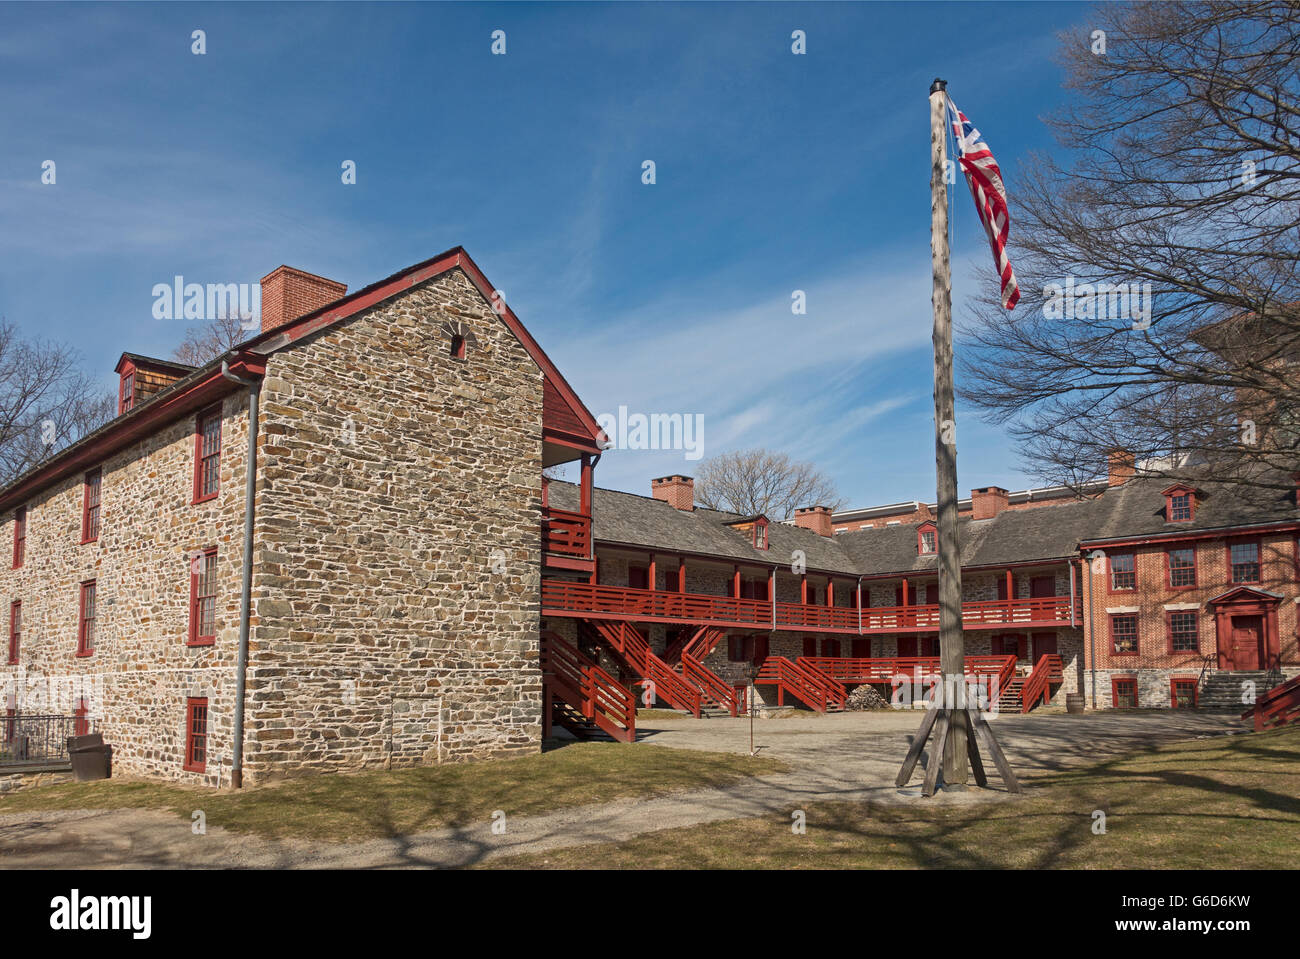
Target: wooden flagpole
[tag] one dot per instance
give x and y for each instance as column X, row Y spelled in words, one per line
column 952, row 652
column 958, row 733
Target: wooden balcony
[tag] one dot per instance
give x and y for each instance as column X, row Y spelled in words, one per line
column 566, row 539
column 567, row 598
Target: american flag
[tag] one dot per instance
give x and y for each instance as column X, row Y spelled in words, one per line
column 985, row 180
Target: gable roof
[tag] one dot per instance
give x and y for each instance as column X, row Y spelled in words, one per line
column 203, row 385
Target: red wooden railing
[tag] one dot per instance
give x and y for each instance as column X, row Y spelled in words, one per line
column 710, row 683
column 809, row 684
column 566, row 533
column 568, row 597
column 698, row 642
column 1037, row 685
column 561, row 597
column 626, row 640
column 578, row 681
column 922, row 670
column 1277, row 707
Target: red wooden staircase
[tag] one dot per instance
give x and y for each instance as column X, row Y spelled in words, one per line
column 698, row 642
column 580, row 696
column 1277, row 707
column 1022, row 693
column 804, row 681
column 633, row 650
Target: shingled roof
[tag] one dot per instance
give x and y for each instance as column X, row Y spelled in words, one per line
column 1047, row 534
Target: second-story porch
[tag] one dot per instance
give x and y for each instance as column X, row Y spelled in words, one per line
column 571, row 598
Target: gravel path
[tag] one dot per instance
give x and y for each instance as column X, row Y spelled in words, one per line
column 842, row 756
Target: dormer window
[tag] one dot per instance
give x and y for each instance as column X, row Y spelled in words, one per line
column 1180, row 504
column 927, row 539
column 126, row 399
column 760, row 534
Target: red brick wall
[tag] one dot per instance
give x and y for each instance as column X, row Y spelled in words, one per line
column 288, row 294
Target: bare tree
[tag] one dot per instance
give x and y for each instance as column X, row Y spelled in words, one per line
column 46, row 401
column 205, row 343
column 1157, row 254
column 760, row 481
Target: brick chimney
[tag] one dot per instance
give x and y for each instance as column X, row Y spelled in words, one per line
column 1122, row 466
column 677, row 491
column 988, row 502
column 815, row 518
column 288, row 294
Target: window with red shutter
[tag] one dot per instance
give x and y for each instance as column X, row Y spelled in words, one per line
column 20, row 536
column 207, row 455
column 86, row 620
column 196, row 735
column 92, row 489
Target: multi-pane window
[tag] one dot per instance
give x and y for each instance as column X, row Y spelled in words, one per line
column 760, row 536
column 1123, row 571
column 1245, row 562
column 20, row 535
column 196, row 735
column 86, row 620
column 1180, row 508
column 1182, row 632
column 90, row 503
column 203, row 598
column 928, row 541
column 207, row 463
column 1124, row 693
column 1124, row 633
column 1182, row 567
column 15, row 629
column 1183, row 694
column 126, row 399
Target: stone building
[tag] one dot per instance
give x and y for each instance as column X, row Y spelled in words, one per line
column 371, row 582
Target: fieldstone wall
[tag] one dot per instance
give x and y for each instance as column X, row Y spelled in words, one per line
column 137, row 680
column 397, row 578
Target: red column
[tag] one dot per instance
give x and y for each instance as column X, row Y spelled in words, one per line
column 803, row 589
column 735, row 582
column 830, row 592
column 584, row 494
column 650, row 573
column 681, row 574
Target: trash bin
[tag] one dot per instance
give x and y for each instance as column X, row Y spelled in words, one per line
column 91, row 759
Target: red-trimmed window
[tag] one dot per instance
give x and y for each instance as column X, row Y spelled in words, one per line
column 1123, row 572
column 457, row 349
column 1243, row 559
column 20, row 536
column 741, row 649
column 1182, row 567
column 126, row 392
column 203, row 598
column 927, row 540
column 1124, row 692
column 15, row 630
column 86, row 620
column 1124, row 634
column 760, row 534
column 1183, row 635
column 196, row 735
column 91, row 496
column 1182, row 693
column 207, row 454
column 1180, row 504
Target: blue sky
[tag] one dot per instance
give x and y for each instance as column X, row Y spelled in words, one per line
column 775, row 172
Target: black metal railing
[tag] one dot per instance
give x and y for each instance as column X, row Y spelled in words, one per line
column 31, row 740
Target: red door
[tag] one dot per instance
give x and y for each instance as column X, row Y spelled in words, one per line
column 929, row 646
column 1042, row 586
column 1044, row 643
column 810, row 645
column 861, row 648
column 1247, row 638
column 906, row 646
column 831, row 647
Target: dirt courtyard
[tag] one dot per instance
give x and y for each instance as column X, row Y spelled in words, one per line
column 850, row 756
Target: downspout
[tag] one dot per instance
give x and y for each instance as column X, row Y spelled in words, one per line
column 246, row 574
column 1090, row 614
column 860, row 607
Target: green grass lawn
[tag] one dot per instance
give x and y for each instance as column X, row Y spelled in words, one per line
column 368, row 805
column 1222, row 803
